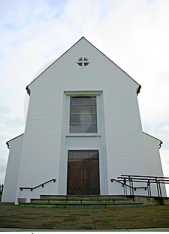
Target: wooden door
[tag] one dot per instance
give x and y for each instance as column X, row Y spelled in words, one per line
column 83, row 172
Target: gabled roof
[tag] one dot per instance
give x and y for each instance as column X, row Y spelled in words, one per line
column 82, row 38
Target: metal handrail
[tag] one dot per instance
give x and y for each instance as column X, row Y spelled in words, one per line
column 148, row 180
column 145, row 176
column 129, row 186
column 120, row 182
column 37, row 186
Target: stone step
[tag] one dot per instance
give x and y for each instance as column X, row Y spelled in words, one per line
column 83, row 205
column 80, row 202
column 76, row 198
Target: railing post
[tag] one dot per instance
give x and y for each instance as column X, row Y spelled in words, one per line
column 131, row 186
column 159, row 186
column 125, row 187
column 158, row 192
column 149, row 188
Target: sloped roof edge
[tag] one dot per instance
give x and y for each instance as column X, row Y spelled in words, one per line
column 139, row 86
column 160, row 142
column 28, row 89
column 13, row 139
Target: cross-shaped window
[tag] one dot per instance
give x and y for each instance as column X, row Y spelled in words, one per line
column 83, row 61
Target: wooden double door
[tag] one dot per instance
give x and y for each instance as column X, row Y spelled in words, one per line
column 83, row 172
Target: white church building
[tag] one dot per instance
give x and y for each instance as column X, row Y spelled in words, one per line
column 83, row 128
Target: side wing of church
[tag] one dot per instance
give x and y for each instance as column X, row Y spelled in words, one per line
column 83, row 128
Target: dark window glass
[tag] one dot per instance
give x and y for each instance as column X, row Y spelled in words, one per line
column 83, row 114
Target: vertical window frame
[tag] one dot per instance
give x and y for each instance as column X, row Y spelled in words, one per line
column 93, row 125
column 69, row 94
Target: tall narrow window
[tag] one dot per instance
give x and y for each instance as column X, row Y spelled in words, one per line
column 83, row 114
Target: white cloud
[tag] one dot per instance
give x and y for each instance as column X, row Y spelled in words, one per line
column 134, row 34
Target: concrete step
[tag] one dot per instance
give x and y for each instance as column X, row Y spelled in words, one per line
column 80, row 202
column 67, row 201
column 85, row 201
column 81, row 198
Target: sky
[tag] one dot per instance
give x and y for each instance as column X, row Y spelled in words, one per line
column 134, row 34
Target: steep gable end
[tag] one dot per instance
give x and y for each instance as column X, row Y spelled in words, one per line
column 82, row 61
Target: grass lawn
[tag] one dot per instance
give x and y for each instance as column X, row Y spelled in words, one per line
column 83, row 218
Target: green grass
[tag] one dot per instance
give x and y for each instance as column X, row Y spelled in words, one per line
column 83, row 218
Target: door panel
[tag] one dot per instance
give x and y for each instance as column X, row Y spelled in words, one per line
column 83, row 172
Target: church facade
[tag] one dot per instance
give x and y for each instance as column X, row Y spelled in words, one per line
column 83, row 128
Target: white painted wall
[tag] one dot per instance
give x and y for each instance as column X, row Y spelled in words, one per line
column 10, row 185
column 151, row 149
column 122, row 145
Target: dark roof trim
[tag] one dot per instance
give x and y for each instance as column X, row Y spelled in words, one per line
column 7, row 144
column 138, row 90
column 160, row 142
column 13, row 139
column 28, row 89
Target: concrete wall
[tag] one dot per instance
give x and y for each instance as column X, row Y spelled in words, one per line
column 10, row 185
column 46, row 141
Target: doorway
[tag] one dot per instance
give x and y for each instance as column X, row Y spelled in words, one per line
column 83, row 172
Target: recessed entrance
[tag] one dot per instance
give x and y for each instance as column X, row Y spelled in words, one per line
column 83, row 172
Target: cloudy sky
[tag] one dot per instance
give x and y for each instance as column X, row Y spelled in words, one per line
column 134, row 34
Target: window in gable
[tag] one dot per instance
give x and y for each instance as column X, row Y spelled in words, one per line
column 83, row 61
